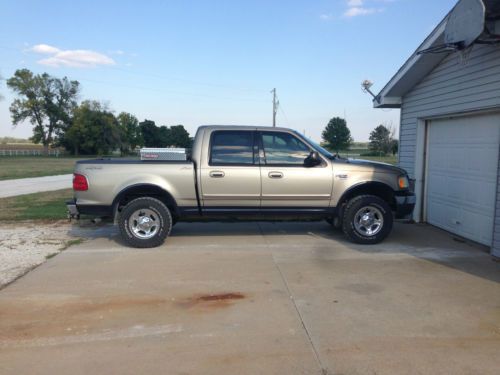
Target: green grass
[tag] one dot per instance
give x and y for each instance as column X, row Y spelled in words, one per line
column 25, row 166
column 39, row 206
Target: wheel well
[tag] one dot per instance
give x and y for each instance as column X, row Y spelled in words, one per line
column 144, row 190
column 378, row 189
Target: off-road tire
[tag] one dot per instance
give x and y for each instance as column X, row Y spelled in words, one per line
column 354, row 206
column 164, row 218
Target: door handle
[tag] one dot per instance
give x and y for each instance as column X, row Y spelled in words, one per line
column 275, row 175
column 216, row 174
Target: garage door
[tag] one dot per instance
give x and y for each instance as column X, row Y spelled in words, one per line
column 462, row 175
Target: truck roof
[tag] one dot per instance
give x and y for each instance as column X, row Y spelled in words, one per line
column 243, row 127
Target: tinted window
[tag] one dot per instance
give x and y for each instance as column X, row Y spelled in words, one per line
column 284, row 148
column 231, row 147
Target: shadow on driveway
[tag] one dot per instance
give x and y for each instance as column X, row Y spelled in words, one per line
column 421, row 241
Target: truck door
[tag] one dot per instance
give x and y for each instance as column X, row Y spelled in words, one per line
column 286, row 182
column 230, row 179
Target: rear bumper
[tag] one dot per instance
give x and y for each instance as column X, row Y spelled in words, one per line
column 72, row 210
column 75, row 210
column 405, row 203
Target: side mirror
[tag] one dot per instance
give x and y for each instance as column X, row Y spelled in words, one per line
column 312, row 160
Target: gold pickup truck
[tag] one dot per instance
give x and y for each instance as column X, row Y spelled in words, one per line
column 243, row 173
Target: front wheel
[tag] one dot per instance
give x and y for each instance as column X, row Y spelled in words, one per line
column 145, row 222
column 367, row 219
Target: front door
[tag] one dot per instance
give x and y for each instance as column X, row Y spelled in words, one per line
column 232, row 178
column 286, row 182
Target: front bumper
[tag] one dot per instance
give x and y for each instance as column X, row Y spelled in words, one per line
column 405, row 203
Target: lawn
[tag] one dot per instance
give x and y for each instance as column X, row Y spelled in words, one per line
column 25, row 166
column 39, row 206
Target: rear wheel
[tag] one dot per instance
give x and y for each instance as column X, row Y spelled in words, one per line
column 145, row 222
column 367, row 219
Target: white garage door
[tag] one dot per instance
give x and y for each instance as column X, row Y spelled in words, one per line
column 462, row 175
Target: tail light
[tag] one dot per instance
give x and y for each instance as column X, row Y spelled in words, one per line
column 80, row 182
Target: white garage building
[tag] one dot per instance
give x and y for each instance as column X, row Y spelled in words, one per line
column 449, row 95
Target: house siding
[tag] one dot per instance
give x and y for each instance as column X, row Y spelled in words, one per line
column 495, row 249
column 453, row 87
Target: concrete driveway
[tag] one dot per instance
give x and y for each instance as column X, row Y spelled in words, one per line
column 257, row 298
column 20, row 186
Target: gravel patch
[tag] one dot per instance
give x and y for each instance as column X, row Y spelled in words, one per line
column 27, row 244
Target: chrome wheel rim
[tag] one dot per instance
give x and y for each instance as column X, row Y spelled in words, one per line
column 368, row 221
column 144, row 223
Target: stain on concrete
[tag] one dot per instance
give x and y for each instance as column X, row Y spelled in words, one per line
column 37, row 318
column 210, row 301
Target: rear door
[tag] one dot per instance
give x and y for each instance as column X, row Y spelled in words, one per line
column 231, row 178
column 286, row 182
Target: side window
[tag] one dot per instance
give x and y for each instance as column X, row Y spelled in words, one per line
column 284, row 148
column 231, row 148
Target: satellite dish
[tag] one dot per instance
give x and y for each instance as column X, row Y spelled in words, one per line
column 465, row 23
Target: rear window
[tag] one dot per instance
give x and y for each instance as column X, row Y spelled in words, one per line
column 231, row 148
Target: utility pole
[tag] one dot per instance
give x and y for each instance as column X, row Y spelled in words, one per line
column 276, row 103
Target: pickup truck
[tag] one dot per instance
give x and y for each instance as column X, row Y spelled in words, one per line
column 243, row 172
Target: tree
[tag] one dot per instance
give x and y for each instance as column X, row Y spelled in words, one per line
column 337, row 135
column 381, row 139
column 394, row 146
column 45, row 101
column 179, row 137
column 94, row 130
column 130, row 132
column 150, row 133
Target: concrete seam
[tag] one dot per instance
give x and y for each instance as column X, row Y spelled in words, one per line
column 323, row 370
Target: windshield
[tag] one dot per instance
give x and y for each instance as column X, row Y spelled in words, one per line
column 316, row 146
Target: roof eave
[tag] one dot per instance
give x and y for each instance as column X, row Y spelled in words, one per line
column 390, row 98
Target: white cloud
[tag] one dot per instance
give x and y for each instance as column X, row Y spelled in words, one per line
column 360, row 11
column 325, row 17
column 79, row 58
column 45, row 49
column 358, row 8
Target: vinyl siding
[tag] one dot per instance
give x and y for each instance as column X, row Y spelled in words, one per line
column 495, row 250
column 451, row 88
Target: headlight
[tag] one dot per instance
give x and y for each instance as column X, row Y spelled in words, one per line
column 403, row 182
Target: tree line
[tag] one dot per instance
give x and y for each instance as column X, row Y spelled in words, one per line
column 51, row 106
column 337, row 137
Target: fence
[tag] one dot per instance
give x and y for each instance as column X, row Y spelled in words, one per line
column 56, row 153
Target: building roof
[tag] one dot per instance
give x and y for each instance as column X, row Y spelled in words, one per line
column 418, row 66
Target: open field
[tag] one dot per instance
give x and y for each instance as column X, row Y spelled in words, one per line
column 40, row 206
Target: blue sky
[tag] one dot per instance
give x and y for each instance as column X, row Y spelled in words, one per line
column 215, row 62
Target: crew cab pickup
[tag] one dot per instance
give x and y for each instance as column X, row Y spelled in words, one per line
column 243, row 172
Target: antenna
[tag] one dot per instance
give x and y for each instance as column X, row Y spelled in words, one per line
column 365, row 86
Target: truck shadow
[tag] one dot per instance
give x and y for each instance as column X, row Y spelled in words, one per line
column 420, row 241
